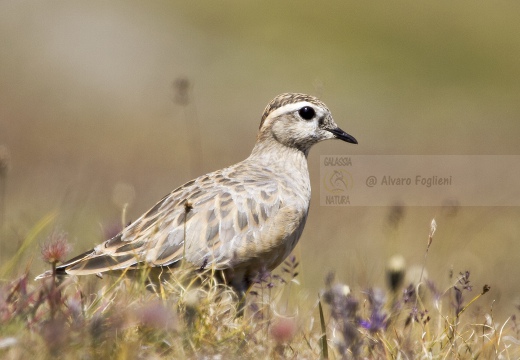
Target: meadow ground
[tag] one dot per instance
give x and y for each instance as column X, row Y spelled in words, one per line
column 190, row 315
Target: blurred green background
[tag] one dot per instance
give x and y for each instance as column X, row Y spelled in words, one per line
column 91, row 113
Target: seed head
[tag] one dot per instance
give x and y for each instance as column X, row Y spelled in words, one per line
column 55, row 248
column 433, row 228
column 396, row 215
column 181, row 87
column 395, row 272
column 5, row 160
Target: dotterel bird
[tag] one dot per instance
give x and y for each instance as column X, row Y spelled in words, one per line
column 242, row 219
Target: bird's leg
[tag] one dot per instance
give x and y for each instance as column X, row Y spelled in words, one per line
column 240, row 283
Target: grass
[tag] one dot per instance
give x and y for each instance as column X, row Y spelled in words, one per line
column 192, row 315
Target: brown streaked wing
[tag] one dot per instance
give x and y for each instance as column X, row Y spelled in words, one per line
column 96, row 264
column 218, row 222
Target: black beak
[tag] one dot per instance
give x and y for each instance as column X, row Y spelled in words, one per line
column 340, row 134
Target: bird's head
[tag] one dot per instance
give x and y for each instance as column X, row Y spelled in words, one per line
column 299, row 121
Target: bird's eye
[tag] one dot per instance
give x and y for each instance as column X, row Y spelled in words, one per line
column 307, row 112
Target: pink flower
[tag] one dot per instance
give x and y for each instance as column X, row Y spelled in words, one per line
column 55, row 248
column 283, row 330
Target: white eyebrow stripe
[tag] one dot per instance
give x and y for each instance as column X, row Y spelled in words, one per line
column 290, row 108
